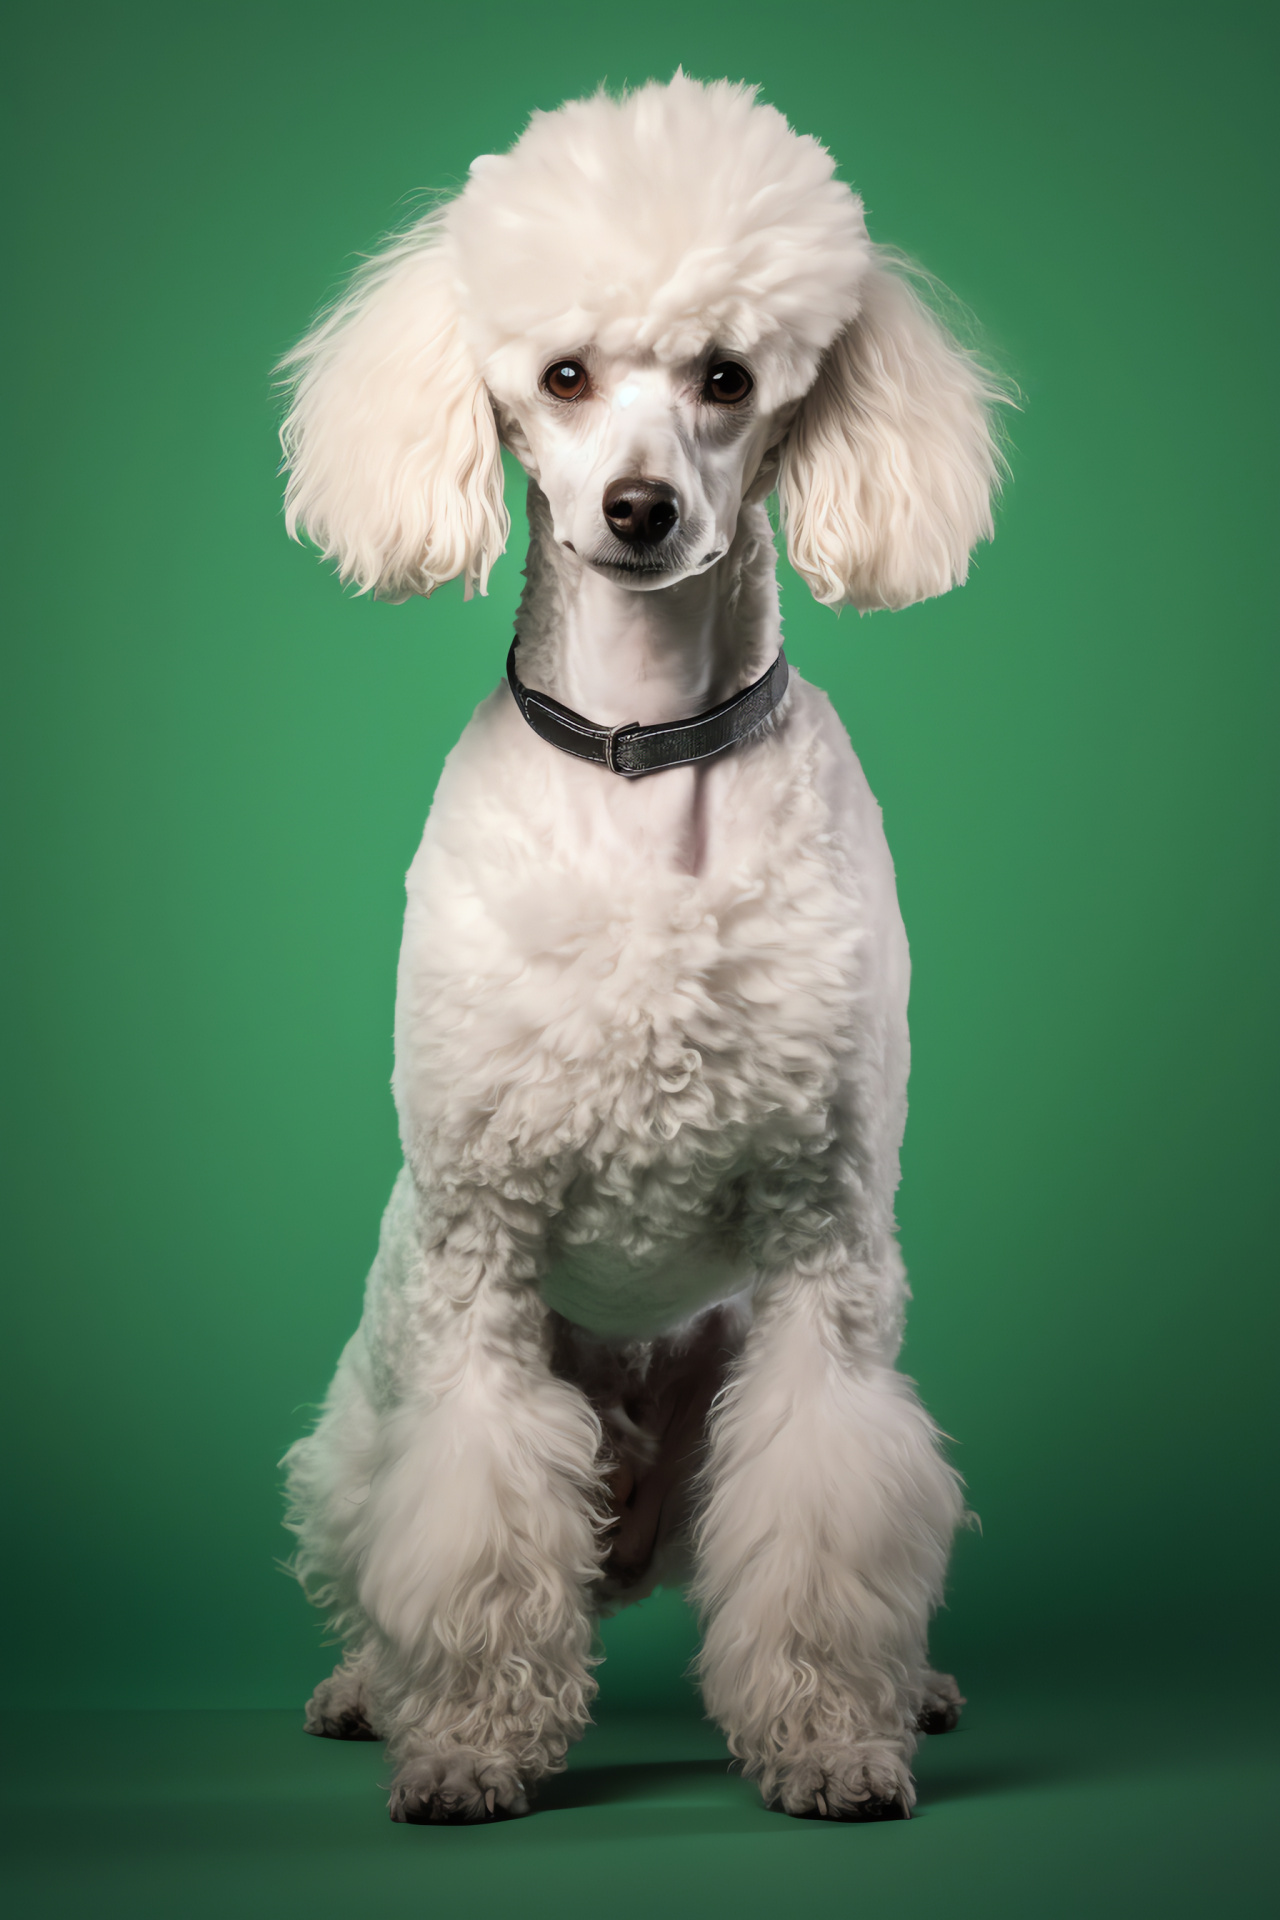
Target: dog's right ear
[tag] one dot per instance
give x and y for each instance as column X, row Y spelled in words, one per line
column 888, row 471
column 395, row 468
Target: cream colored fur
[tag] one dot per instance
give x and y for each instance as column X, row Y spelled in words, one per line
column 651, row 1042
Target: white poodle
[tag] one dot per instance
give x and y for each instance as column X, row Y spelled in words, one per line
column 637, row 1298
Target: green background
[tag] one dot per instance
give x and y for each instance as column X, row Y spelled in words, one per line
column 220, row 766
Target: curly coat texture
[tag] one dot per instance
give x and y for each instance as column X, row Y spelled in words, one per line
column 651, row 1040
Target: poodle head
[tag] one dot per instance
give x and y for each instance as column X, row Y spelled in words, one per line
column 663, row 305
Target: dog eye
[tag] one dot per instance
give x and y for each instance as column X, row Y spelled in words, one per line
column 566, row 380
column 727, row 382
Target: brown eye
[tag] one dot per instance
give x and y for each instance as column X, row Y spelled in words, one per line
column 727, row 382
column 566, row 380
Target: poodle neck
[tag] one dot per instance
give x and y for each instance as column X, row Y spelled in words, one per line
column 615, row 655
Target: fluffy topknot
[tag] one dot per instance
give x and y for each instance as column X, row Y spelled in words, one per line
column 677, row 215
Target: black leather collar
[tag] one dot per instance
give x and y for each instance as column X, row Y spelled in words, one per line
column 632, row 750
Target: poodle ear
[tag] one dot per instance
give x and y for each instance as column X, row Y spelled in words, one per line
column 889, row 468
column 392, row 450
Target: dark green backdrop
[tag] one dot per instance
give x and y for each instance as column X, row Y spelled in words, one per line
column 221, row 766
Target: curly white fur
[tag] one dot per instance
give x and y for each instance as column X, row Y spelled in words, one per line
column 651, row 1046
column 395, row 467
column 887, row 475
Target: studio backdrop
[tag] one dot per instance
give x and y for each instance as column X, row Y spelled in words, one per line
column 220, row 763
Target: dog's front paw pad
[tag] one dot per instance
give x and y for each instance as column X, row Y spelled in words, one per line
column 858, row 1807
column 439, row 1809
column 852, row 1790
column 454, row 1803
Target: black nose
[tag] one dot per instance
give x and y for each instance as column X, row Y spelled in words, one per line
column 641, row 512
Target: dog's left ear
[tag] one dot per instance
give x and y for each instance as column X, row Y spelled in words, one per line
column 888, row 472
column 395, row 469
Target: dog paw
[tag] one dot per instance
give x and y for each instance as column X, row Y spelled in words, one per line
column 941, row 1704
column 350, row 1724
column 455, row 1790
column 872, row 1784
column 339, row 1710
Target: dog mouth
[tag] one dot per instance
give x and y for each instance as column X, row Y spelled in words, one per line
column 634, row 565
column 650, row 562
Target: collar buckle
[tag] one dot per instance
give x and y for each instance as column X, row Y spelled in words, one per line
column 610, row 749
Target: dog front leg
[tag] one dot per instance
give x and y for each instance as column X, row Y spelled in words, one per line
column 480, row 1540
column 822, row 1548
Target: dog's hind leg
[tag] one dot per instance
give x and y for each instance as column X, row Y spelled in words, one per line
column 822, row 1548
column 479, row 1538
column 940, row 1703
column 328, row 1477
column 341, row 1708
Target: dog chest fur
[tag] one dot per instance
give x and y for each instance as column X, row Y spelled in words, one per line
column 641, row 1053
